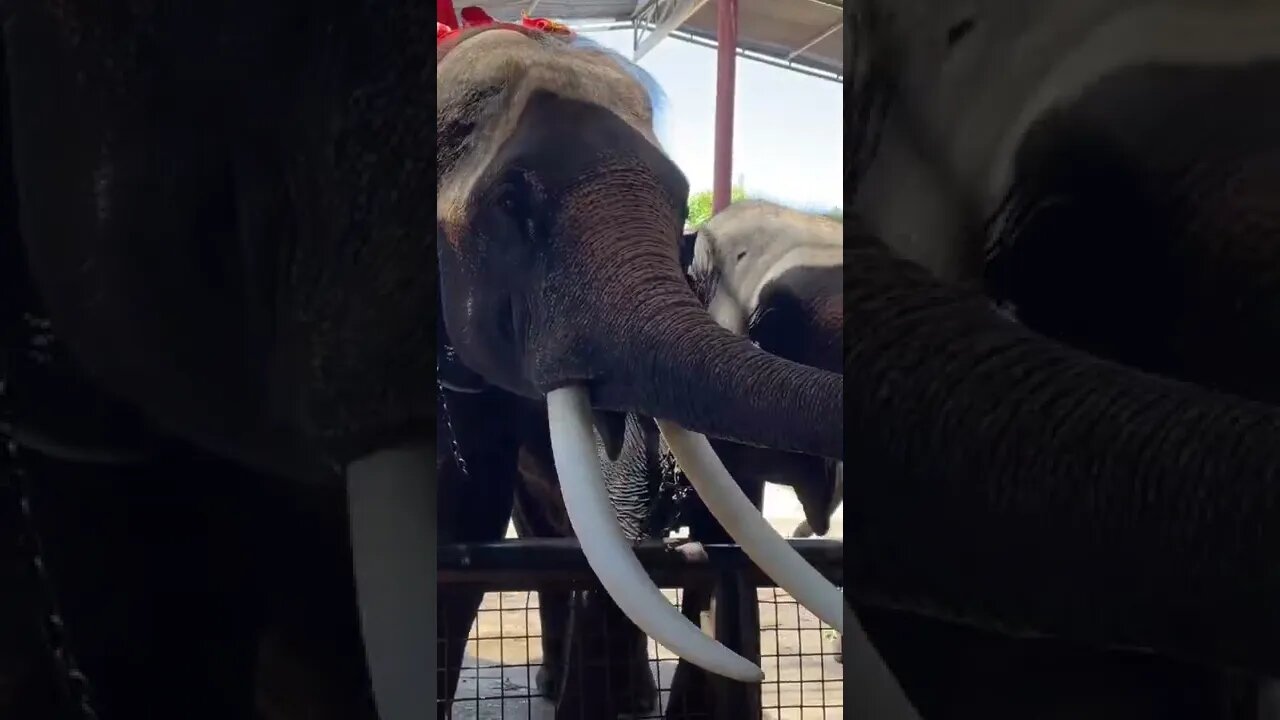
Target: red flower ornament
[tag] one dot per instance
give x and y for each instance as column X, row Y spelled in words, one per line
column 544, row 25
column 473, row 16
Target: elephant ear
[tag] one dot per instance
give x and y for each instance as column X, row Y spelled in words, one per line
column 612, row 427
column 687, row 243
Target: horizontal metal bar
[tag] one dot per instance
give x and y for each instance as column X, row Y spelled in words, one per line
column 797, row 67
column 815, row 40
column 686, row 36
column 527, row 564
column 678, row 13
column 602, row 26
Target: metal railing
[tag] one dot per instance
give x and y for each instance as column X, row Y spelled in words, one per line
column 800, row 655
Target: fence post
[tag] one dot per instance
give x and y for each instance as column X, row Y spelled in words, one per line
column 735, row 614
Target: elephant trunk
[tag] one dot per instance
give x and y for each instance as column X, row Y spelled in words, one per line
column 662, row 354
column 1010, row 481
column 620, row 302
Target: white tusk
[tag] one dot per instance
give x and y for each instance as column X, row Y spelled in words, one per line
column 744, row 523
column 595, row 522
column 393, row 539
column 876, row 692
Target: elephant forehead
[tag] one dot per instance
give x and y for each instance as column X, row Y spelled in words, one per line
column 480, row 43
column 974, row 104
column 1160, row 34
column 482, row 91
column 751, row 243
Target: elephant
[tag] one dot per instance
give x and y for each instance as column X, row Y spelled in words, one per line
column 1113, row 189
column 773, row 275
column 559, row 220
column 559, row 278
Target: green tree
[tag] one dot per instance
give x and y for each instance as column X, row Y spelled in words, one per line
column 700, row 206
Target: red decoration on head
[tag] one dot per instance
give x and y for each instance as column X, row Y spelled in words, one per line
column 473, row 16
column 445, row 14
column 544, row 25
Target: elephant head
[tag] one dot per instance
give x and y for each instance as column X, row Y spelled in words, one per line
column 1106, row 172
column 559, row 221
column 559, row 226
column 1114, row 186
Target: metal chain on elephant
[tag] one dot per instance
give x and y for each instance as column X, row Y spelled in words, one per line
column 674, row 485
column 453, row 437
column 18, row 483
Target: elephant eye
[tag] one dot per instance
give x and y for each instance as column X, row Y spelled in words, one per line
column 519, row 199
column 510, row 199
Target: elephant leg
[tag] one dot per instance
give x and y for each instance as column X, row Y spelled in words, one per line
column 693, row 690
column 553, row 603
column 28, row 683
column 553, row 612
column 607, row 663
column 586, row 691
column 149, row 566
column 457, row 608
column 311, row 660
column 628, row 658
column 531, row 521
column 475, row 506
column 689, row 692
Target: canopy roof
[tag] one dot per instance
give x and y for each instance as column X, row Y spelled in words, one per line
column 804, row 35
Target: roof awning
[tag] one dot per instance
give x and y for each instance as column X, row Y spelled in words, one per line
column 798, row 33
column 801, row 34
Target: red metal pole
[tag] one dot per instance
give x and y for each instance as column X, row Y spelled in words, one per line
column 726, row 65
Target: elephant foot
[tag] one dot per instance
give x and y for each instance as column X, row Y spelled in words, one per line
column 639, row 696
column 547, row 682
column 640, row 700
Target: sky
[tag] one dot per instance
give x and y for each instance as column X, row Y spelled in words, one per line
column 788, row 140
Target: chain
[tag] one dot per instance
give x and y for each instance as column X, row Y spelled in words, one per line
column 674, row 485
column 75, row 682
column 453, row 437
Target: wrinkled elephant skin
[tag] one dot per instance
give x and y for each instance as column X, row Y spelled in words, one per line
column 1116, row 189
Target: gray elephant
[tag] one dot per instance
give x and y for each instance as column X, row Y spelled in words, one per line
column 1107, row 173
column 546, row 293
column 773, row 275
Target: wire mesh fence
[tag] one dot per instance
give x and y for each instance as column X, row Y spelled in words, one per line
column 500, row 677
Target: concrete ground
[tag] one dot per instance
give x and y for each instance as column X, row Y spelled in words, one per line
column 504, row 649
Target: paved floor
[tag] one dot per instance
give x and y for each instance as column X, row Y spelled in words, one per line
column 797, row 653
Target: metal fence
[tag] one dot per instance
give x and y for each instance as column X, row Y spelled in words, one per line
column 804, row 679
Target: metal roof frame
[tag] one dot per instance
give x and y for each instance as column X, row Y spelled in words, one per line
column 651, row 21
column 691, row 20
